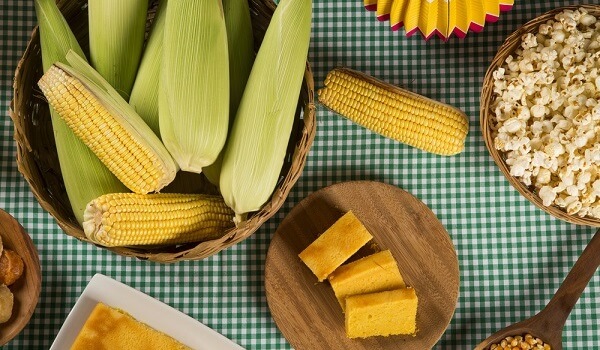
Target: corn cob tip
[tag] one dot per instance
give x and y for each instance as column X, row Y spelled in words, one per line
column 92, row 220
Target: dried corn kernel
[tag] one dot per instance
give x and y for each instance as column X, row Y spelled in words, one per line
column 524, row 342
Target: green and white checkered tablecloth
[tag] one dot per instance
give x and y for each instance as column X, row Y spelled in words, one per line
column 512, row 255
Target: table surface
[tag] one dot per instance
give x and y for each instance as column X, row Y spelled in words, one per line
column 512, row 255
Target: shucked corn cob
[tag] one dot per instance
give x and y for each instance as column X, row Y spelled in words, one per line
column 126, row 219
column 108, row 126
column 395, row 113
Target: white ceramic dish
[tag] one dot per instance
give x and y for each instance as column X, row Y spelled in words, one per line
column 144, row 308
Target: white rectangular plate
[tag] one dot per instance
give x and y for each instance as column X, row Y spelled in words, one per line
column 144, row 308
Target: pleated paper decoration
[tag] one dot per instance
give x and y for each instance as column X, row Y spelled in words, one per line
column 438, row 17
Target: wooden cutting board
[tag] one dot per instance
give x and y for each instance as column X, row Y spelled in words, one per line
column 307, row 312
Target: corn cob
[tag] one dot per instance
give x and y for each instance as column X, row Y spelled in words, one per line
column 395, row 113
column 240, row 44
column 128, row 219
column 116, row 31
column 108, row 126
column 261, row 130
column 144, row 94
column 84, row 175
column 193, row 97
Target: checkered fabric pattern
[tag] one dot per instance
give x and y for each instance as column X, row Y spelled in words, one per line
column 512, row 255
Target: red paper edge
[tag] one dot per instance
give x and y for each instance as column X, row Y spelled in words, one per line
column 397, row 26
column 383, row 18
column 491, row 18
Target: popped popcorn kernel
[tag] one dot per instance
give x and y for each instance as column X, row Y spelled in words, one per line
column 546, row 105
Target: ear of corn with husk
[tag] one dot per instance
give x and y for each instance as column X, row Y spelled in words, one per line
column 257, row 145
column 144, row 95
column 116, row 30
column 194, row 83
column 240, row 43
column 100, row 117
column 129, row 219
column 84, row 175
column 395, row 113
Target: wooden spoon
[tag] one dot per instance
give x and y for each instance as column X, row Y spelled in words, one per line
column 548, row 323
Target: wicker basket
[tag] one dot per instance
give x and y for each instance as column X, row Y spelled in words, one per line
column 38, row 162
column 487, row 116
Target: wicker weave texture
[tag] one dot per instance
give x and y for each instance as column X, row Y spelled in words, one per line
column 37, row 159
column 487, row 117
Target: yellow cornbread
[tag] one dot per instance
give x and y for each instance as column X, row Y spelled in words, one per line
column 107, row 328
column 338, row 243
column 382, row 313
column 374, row 273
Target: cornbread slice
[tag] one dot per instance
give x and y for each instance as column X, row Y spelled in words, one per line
column 108, row 328
column 374, row 273
column 383, row 313
column 338, row 243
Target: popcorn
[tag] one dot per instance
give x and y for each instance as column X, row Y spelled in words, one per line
column 547, row 108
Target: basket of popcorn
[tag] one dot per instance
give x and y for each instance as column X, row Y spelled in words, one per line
column 540, row 112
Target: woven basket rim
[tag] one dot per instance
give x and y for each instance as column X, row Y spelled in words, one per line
column 487, row 115
column 299, row 146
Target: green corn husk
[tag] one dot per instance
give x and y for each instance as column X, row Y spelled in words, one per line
column 116, row 30
column 240, row 43
column 258, row 142
column 84, row 175
column 144, row 95
column 194, row 83
column 108, row 125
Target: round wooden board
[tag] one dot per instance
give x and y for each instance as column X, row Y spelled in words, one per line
column 26, row 290
column 307, row 312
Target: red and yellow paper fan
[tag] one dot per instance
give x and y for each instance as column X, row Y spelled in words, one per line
column 438, row 17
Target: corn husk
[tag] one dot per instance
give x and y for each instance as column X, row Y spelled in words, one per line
column 257, row 145
column 194, row 83
column 144, row 95
column 127, row 150
column 84, row 175
column 240, row 44
column 116, row 33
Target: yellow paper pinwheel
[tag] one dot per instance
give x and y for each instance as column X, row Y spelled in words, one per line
column 438, row 17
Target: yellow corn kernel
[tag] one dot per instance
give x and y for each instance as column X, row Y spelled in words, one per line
column 134, row 155
column 130, row 219
column 395, row 113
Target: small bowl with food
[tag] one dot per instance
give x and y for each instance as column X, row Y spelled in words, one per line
column 20, row 277
column 540, row 112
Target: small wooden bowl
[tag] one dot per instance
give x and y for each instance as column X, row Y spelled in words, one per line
column 37, row 158
column 487, row 117
column 26, row 289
